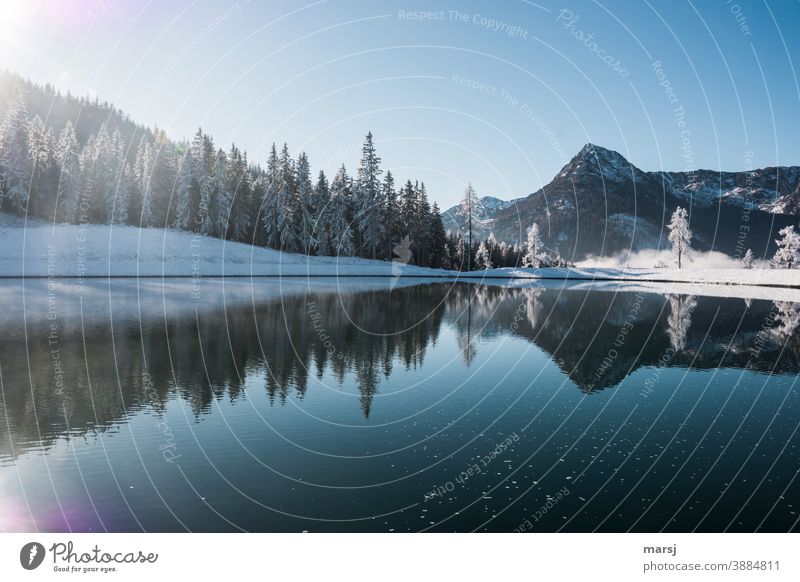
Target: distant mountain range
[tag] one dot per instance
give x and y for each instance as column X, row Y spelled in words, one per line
column 600, row 204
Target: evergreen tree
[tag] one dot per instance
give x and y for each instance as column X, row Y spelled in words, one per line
column 391, row 215
column 141, row 207
column 407, row 214
column 305, row 194
column 286, row 202
column 370, row 204
column 469, row 210
column 15, row 165
column 679, row 234
column 422, row 226
column 222, row 195
column 322, row 215
column 184, row 188
column 242, row 192
column 269, row 205
column 69, row 181
column 747, row 260
column 438, row 241
column 41, row 151
column 533, row 248
column 788, row 254
column 461, row 258
column 482, row 258
column 341, row 236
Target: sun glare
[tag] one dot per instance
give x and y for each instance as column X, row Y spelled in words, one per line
column 14, row 16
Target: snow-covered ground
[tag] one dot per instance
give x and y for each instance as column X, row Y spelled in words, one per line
column 41, row 249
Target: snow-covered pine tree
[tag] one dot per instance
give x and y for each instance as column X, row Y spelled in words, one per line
column 322, row 215
column 42, row 155
column 788, row 254
column 460, row 258
column 407, row 213
column 269, row 203
column 438, row 240
column 183, row 191
column 222, row 195
column 422, row 226
column 126, row 186
column 748, row 260
column 113, row 169
column 679, row 234
column 369, row 201
column 287, row 202
column 533, row 247
column 15, row 161
column 447, row 257
column 469, row 210
column 242, row 191
column 162, row 181
column 305, row 195
column 341, row 236
column 142, row 208
column 482, row 257
column 67, row 157
column 391, row 215
column 203, row 156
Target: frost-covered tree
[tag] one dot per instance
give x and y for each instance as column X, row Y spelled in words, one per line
column 203, row 159
column 322, row 215
column 222, row 195
column 369, row 200
column 67, row 156
column 748, row 260
column 391, row 214
column 447, row 257
column 787, row 320
column 469, row 210
column 241, row 188
column 482, row 257
column 286, row 201
column 407, row 211
column 679, row 234
column 438, row 241
column 269, row 204
column 113, row 168
column 15, row 165
column 41, row 152
column 306, row 214
column 184, row 187
column 460, row 258
column 788, row 254
column 533, row 247
column 143, row 175
column 680, row 319
column 126, row 186
column 341, row 235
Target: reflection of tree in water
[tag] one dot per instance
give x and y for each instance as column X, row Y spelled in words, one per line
column 367, row 336
column 680, row 319
column 787, row 320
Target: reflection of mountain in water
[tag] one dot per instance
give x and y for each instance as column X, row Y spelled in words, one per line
column 599, row 337
column 365, row 335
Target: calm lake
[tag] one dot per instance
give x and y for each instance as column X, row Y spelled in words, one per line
column 372, row 405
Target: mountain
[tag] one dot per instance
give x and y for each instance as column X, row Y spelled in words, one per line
column 600, row 204
column 488, row 209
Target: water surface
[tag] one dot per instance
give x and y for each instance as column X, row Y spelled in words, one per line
column 368, row 405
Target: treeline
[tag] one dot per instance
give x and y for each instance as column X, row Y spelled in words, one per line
column 91, row 164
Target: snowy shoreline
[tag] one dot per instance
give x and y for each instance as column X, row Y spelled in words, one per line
column 40, row 250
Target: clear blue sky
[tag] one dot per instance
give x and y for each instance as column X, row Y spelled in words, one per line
column 320, row 75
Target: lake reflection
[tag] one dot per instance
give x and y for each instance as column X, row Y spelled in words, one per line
column 289, row 405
